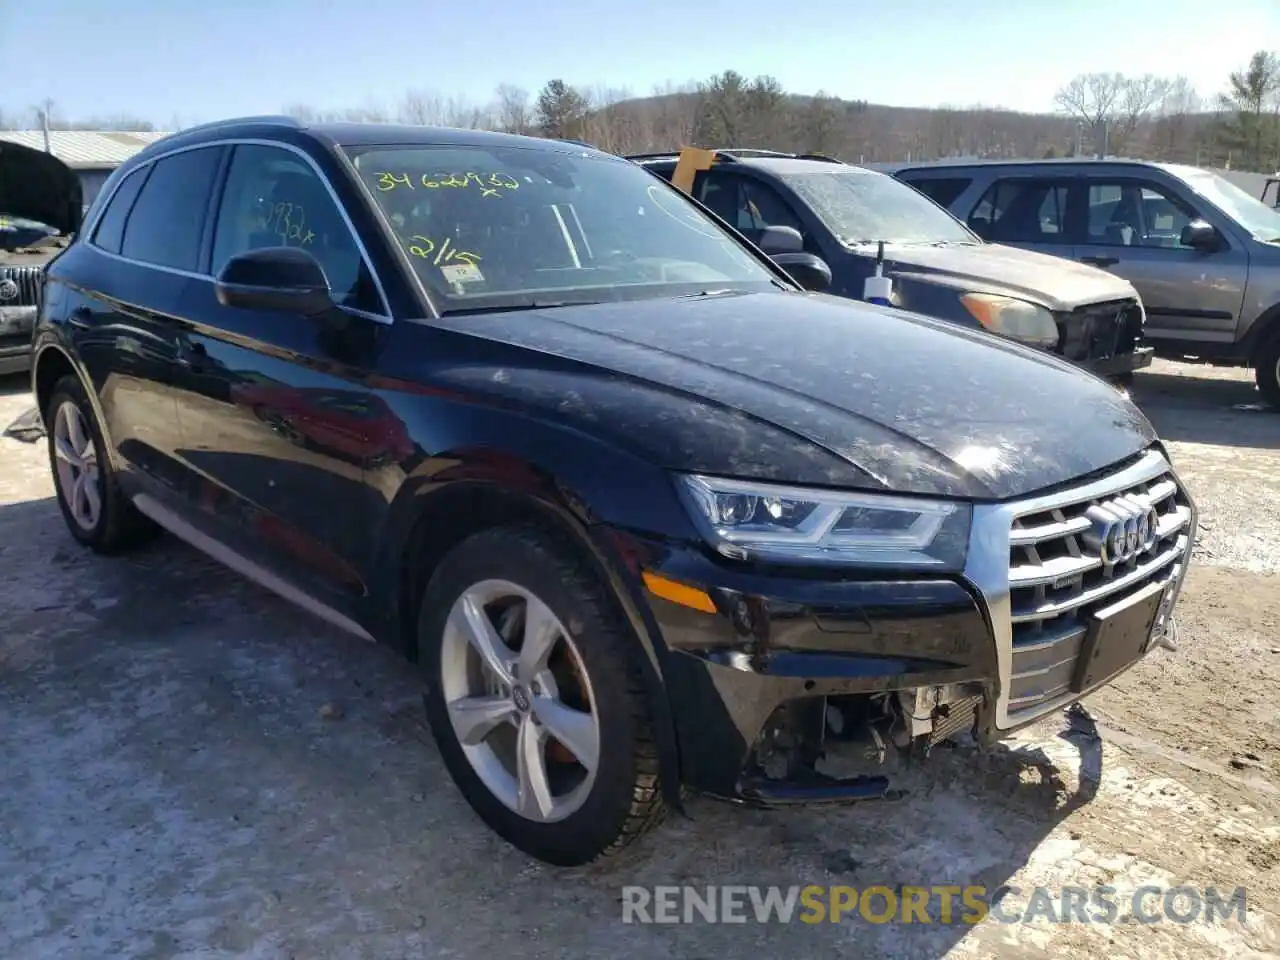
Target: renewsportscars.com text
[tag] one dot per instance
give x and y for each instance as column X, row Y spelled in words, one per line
column 941, row 904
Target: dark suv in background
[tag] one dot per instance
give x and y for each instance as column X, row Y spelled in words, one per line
column 1203, row 253
column 644, row 513
column 40, row 208
column 938, row 266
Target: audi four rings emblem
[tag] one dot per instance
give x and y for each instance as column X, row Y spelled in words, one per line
column 1122, row 528
column 8, row 290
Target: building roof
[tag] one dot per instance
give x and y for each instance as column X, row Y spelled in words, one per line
column 86, row 148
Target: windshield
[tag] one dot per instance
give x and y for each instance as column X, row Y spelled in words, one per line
column 1244, row 208
column 861, row 206
column 488, row 227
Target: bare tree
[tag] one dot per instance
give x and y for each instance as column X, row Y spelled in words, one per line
column 1111, row 105
column 1093, row 98
column 820, row 122
column 674, row 114
column 1139, row 98
column 1175, row 131
column 422, row 108
column 514, row 115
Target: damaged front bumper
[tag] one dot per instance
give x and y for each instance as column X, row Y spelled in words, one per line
column 16, row 324
column 764, row 671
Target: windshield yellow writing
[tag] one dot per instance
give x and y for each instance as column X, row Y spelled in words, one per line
column 489, row 184
column 288, row 221
column 440, row 253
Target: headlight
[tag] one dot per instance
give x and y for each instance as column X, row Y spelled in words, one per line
column 1017, row 319
column 759, row 521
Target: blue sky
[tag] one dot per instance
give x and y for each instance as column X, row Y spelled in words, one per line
column 160, row 59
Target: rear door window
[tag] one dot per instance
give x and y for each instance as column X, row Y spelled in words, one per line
column 166, row 224
column 1022, row 211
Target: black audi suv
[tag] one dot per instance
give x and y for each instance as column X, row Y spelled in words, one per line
column 644, row 513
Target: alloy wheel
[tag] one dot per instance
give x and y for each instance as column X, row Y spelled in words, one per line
column 76, row 466
column 520, row 700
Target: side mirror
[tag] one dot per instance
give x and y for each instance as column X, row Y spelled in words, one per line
column 274, row 278
column 810, row 271
column 780, row 240
column 1200, row 235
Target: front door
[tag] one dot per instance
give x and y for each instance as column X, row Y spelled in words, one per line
column 1132, row 227
column 277, row 422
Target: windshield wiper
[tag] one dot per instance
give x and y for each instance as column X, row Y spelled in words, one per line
column 515, row 307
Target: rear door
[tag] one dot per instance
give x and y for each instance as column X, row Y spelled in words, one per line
column 278, row 424
column 1131, row 226
column 146, row 248
column 1024, row 211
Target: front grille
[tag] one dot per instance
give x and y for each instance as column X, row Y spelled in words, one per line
column 1058, row 578
column 1100, row 331
column 30, row 284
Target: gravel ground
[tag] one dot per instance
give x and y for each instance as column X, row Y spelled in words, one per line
column 193, row 768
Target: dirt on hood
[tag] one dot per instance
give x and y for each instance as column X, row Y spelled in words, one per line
column 35, row 185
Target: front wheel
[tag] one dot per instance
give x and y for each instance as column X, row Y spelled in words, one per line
column 535, row 699
column 1266, row 371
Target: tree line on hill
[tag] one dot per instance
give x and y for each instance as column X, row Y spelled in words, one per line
column 1150, row 117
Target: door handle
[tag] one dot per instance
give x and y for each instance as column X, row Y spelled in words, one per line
column 81, row 317
column 1100, row 261
column 194, row 355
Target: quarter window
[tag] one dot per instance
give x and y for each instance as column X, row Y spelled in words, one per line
column 166, row 223
column 1022, row 211
column 110, row 231
column 273, row 198
column 1133, row 214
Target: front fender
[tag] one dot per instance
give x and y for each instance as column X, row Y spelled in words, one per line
column 497, row 461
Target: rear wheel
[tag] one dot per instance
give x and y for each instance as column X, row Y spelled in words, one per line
column 1266, row 370
column 95, row 510
column 535, row 700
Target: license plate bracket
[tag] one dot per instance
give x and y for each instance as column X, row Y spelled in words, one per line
column 1117, row 636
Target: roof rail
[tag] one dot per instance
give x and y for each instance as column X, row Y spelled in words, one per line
column 738, row 153
column 660, row 155
column 577, row 143
column 821, row 158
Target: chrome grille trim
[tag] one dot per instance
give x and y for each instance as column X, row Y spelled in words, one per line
column 1037, row 644
column 29, row 280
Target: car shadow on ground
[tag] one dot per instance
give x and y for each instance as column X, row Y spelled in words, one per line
column 1202, row 409
column 281, row 775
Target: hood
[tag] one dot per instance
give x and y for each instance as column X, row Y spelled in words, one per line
column 1054, row 282
column 35, row 185
column 915, row 405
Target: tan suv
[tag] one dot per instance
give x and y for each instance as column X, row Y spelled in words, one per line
column 1204, row 254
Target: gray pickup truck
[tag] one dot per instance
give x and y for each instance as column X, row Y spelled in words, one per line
column 1203, row 253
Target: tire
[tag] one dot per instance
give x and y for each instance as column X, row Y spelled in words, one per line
column 115, row 525
column 595, row 663
column 1266, row 371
